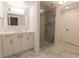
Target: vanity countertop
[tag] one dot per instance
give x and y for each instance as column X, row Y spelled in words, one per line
column 28, row 31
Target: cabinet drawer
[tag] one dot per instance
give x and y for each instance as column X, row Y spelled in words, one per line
column 6, row 36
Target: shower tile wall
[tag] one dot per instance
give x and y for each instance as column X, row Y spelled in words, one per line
column 47, row 26
column 42, row 26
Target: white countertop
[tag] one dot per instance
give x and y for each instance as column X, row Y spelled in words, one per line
column 1, row 33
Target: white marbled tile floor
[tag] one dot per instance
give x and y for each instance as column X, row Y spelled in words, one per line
column 48, row 53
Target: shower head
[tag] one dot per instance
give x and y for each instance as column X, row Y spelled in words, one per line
column 41, row 10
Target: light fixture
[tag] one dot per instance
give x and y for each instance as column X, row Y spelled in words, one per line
column 60, row 2
column 17, row 4
column 41, row 10
column 17, row 11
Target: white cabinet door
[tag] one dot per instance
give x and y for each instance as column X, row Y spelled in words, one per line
column 17, row 44
column 7, row 46
column 24, row 42
column 0, row 46
column 30, row 40
column 27, row 41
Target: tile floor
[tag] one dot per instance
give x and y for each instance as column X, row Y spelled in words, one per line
column 44, row 43
column 48, row 53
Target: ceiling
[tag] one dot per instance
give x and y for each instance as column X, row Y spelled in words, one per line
column 30, row 3
column 22, row 4
column 48, row 5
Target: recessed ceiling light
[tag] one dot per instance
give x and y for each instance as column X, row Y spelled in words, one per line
column 62, row 2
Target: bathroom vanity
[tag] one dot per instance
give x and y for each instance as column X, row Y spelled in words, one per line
column 18, row 28
column 15, row 43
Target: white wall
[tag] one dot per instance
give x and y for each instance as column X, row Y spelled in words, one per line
column 34, row 23
column 1, row 9
column 32, row 19
column 58, row 28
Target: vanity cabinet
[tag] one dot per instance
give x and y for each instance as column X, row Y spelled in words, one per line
column 14, row 44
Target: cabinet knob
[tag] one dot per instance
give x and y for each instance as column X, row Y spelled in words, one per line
column 20, row 36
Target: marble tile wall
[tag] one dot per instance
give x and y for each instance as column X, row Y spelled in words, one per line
column 47, row 26
column 42, row 26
